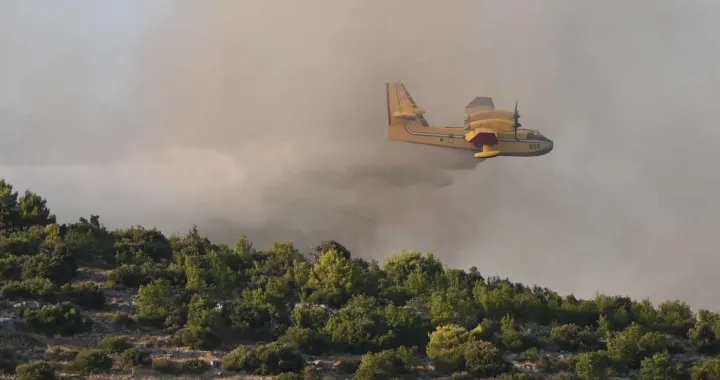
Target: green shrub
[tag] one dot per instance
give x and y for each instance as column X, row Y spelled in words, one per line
column 133, row 357
column 531, row 353
column 309, row 315
column 511, row 338
column 128, row 276
column 9, row 267
column 305, row 340
column 87, row 295
column 446, row 347
column 32, row 288
column 484, row 359
column 154, row 300
column 484, row 330
column 89, row 241
column 138, row 245
column 565, row 336
column 91, row 361
column 659, row 366
column 386, row 364
column 706, row 370
column 134, row 276
column 59, row 266
column 269, row 359
column 62, row 319
column 20, row 244
column 593, row 365
column 35, row 371
column 197, row 338
column 114, row 344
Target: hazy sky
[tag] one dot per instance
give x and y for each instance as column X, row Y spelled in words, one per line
column 268, row 118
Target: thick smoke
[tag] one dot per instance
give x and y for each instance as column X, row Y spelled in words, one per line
column 268, row 118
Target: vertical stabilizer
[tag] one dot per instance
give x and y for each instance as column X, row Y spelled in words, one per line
column 402, row 109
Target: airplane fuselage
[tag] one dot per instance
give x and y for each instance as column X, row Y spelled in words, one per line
column 488, row 131
column 527, row 143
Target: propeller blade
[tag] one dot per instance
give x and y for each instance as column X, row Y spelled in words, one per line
column 516, row 123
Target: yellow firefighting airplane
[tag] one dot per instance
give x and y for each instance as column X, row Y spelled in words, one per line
column 492, row 132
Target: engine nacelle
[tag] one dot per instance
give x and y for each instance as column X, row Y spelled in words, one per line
column 417, row 112
column 489, row 114
column 495, row 124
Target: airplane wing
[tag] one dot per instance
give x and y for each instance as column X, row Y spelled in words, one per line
column 480, row 103
column 401, row 103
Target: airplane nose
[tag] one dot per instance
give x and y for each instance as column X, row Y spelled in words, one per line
column 550, row 148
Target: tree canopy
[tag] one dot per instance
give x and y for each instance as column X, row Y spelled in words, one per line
column 275, row 310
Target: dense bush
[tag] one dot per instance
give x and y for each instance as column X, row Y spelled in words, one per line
column 446, row 347
column 35, row 371
column 593, row 365
column 91, row 361
column 197, row 337
column 33, row 288
column 87, row 295
column 388, row 364
column 62, row 319
column 483, row 359
column 306, row 340
column 134, row 276
column 327, row 301
column 113, row 344
column 56, row 264
column 268, row 359
column 706, row 370
column 137, row 245
column 132, row 358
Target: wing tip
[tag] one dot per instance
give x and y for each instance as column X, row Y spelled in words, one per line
column 387, row 100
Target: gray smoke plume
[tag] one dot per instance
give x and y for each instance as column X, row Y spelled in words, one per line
column 268, row 118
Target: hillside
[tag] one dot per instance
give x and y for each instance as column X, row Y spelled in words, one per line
column 78, row 299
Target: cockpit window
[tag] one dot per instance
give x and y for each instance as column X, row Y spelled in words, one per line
column 534, row 135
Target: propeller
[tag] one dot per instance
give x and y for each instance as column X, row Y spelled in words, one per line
column 516, row 123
